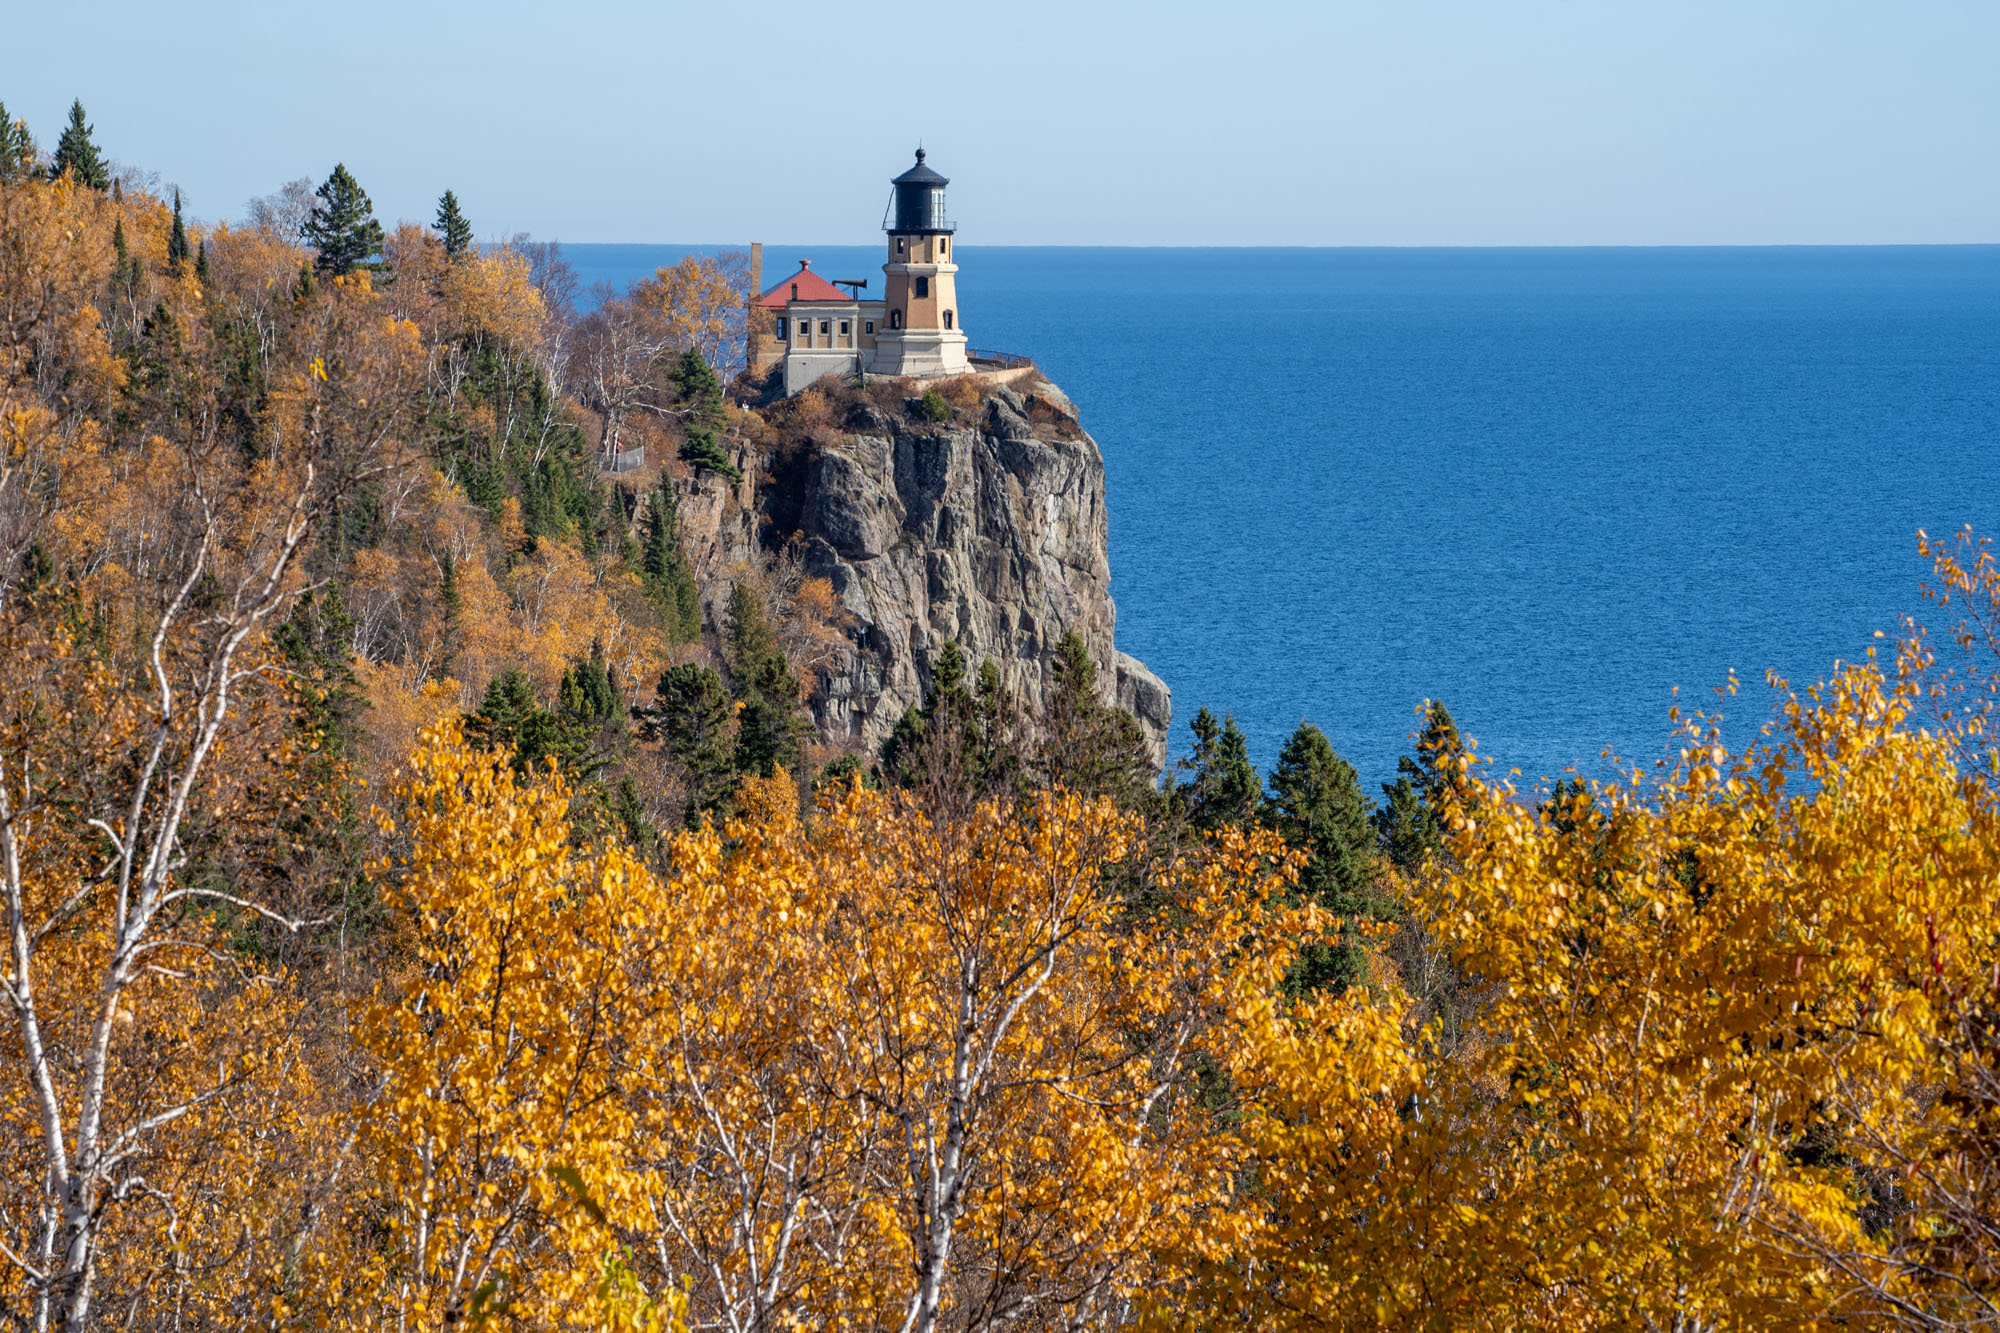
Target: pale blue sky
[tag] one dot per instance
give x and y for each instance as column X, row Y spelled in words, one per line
column 1377, row 122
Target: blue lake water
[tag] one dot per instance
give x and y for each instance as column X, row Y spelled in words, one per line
column 1544, row 486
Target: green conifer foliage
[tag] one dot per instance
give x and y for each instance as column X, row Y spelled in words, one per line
column 1224, row 788
column 177, row 239
column 17, row 149
column 1316, row 803
column 768, row 730
column 700, row 395
column 451, row 227
column 1090, row 747
column 76, row 154
column 664, row 568
column 342, row 228
column 1409, row 828
column 201, row 262
column 691, row 719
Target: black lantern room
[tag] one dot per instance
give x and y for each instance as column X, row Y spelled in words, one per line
column 917, row 206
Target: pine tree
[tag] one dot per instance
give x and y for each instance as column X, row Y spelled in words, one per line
column 951, row 716
column 177, row 239
column 342, row 228
column 1316, row 803
column 690, row 718
column 768, row 724
column 17, row 149
column 1224, row 788
column 1086, row 745
column 700, row 395
column 665, row 570
column 451, row 227
column 1409, row 828
column 306, row 287
column 201, row 263
column 76, row 154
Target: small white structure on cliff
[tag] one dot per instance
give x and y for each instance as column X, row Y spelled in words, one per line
column 814, row 328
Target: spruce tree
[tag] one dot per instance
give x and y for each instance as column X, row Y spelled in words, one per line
column 1224, row 788
column 1316, row 803
column 1086, row 745
column 342, row 228
column 768, row 731
column 664, row 569
column 690, row 718
column 201, row 263
column 177, row 239
column 76, row 154
column 17, row 149
column 1409, row 828
column 452, row 228
column 700, row 395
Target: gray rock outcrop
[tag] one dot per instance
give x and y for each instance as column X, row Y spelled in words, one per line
column 988, row 529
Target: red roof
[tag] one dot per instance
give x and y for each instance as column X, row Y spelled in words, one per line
column 805, row 285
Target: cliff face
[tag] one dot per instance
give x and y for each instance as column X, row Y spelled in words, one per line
column 988, row 529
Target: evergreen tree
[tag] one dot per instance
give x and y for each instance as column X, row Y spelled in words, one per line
column 17, row 149
column 1088, row 746
column 1224, row 788
column 342, row 227
column 451, row 227
column 201, row 262
column 951, row 715
column 306, row 287
column 177, row 239
column 768, row 731
column 510, row 717
column 690, row 718
column 665, row 570
column 1409, row 828
column 1316, row 803
column 700, row 395
column 76, row 154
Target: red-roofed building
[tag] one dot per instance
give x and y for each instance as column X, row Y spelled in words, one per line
column 813, row 328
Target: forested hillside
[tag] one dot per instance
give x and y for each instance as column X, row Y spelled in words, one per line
column 428, row 905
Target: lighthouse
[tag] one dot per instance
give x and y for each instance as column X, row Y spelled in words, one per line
column 919, row 333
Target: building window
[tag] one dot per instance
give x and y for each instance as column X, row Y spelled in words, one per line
column 923, row 286
column 947, row 319
column 795, row 291
column 895, row 319
column 899, row 245
column 825, row 328
column 868, row 326
column 845, row 328
column 782, row 330
column 806, row 331
column 944, row 245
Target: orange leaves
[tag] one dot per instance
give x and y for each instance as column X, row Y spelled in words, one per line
column 737, row 1059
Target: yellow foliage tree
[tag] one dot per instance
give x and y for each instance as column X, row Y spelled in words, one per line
column 1732, row 1064
column 882, row 1071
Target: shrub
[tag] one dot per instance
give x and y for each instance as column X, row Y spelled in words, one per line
column 933, row 407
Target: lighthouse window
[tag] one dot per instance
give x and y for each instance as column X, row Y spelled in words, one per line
column 923, row 286
column 947, row 319
column 895, row 319
column 944, row 246
column 899, row 245
column 868, row 326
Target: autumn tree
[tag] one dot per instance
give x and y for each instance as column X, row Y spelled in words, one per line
column 76, row 153
column 341, row 228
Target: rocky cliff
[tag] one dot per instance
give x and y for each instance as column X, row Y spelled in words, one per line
column 987, row 528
